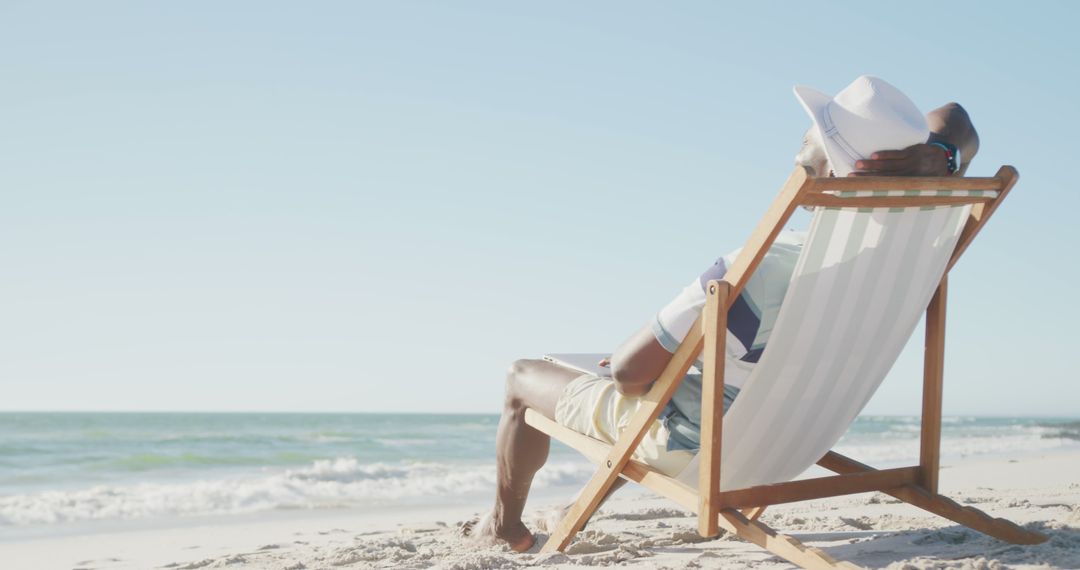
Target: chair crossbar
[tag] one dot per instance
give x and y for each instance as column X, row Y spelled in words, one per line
column 819, row 488
column 832, row 201
column 905, row 183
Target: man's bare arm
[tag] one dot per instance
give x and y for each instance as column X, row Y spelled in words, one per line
column 949, row 124
column 638, row 362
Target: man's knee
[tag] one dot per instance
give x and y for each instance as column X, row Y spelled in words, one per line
column 516, row 378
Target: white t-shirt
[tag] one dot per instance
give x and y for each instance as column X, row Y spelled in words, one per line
column 750, row 321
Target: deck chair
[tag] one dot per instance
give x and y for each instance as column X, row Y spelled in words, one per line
column 877, row 255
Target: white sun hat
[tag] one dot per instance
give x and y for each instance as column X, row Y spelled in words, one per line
column 867, row 116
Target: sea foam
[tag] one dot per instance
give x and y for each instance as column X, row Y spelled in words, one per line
column 341, row 482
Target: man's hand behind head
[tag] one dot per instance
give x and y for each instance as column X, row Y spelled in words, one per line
column 916, row 160
column 948, row 124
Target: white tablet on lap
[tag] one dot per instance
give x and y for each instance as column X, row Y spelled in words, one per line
column 586, row 363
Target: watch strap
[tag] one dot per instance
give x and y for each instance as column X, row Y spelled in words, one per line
column 952, row 156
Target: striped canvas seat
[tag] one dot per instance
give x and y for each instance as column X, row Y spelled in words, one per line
column 863, row 280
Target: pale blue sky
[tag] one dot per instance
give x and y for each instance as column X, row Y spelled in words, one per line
column 378, row 206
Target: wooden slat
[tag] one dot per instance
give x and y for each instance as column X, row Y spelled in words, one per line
column 980, row 214
column 969, row 516
column 819, row 487
column 717, row 301
column 597, row 451
column 593, row 449
column 785, row 203
column 933, row 374
column 681, row 493
column 831, row 201
column 855, row 183
column 648, row 410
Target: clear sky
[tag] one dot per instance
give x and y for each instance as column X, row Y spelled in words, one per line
column 378, row 206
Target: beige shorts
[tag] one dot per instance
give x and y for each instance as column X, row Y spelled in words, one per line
column 591, row 405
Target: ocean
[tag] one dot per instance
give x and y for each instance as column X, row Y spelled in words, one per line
column 64, row 469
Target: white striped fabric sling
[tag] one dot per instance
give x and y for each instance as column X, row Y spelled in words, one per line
column 863, row 280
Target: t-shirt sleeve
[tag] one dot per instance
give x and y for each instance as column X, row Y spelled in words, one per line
column 675, row 319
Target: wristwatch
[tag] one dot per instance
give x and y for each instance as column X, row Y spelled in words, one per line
column 952, row 156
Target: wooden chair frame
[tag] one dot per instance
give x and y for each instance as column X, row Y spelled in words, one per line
column 737, row 510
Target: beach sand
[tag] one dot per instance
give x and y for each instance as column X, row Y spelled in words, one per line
column 633, row 530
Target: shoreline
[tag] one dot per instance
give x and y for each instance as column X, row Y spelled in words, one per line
column 364, row 515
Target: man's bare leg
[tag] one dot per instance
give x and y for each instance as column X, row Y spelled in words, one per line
column 522, row 450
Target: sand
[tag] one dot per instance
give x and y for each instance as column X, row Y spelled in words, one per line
column 633, row 530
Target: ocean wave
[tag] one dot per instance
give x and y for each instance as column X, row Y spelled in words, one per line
column 1064, row 430
column 341, row 482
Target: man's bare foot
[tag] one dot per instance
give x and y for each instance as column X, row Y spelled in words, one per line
column 484, row 529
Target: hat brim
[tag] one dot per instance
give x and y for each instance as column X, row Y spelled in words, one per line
column 815, row 103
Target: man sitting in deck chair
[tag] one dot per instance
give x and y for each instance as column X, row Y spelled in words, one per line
column 870, row 128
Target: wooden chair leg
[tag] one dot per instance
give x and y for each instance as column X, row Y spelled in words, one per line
column 566, row 529
column 933, row 371
column 712, row 405
column 779, row 544
column 601, row 483
column 999, row 528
